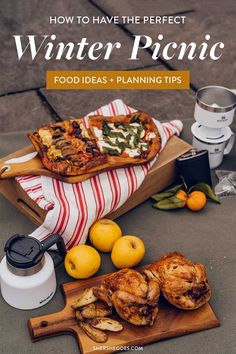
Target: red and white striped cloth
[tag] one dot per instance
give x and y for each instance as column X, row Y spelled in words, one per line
column 73, row 208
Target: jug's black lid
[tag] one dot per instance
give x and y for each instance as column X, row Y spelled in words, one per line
column 23, row 251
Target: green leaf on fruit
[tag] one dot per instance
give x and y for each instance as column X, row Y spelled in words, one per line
column 169, row 203
column 168, row 193
column 207, row 190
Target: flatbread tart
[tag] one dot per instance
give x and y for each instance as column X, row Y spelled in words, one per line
column 69, row 148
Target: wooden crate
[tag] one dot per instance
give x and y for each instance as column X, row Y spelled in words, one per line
column 160, row 176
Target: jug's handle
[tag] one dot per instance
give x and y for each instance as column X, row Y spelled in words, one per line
column 58, row 240
column 230, row 144
column 234, row 91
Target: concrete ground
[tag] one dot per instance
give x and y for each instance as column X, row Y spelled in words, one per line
column 25, row 104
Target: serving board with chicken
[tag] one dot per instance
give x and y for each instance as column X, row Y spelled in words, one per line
column 130, row 307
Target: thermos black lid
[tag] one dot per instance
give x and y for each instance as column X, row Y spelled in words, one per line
column 23, row 251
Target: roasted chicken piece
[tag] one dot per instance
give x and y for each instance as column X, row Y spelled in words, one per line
column 134, row 296
column 182, row 283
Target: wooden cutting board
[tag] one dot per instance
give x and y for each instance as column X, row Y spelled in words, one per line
column 33, row 166
column 170, row 322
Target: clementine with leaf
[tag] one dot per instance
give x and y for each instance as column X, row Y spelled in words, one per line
column 196, row 201
column 183, row 196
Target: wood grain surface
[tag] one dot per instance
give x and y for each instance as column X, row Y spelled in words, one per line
column 34, row 167
column 170, row 322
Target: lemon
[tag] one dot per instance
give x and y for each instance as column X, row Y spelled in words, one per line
column 103, row 234
column 82, row 261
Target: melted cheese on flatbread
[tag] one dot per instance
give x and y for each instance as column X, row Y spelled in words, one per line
column 125, row 136
column 45, row 136
column 53, row 153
